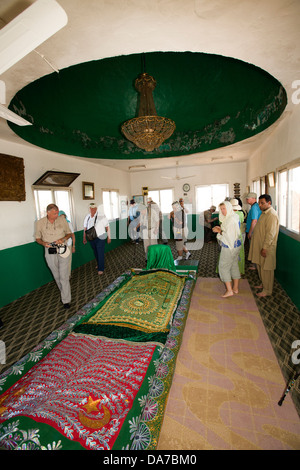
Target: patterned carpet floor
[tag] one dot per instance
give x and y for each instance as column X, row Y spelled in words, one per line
column 227, row 381
column 30, row 319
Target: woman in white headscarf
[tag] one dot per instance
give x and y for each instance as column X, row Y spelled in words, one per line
column 229, row 236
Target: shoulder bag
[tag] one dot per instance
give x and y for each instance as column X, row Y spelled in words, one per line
column 91, row 233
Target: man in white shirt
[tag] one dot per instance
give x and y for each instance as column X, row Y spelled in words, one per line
column 100, row 222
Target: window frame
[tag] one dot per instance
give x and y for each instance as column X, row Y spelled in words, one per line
column 110, row 191
column 198, row 211
column 284, row 228
column 159, row 191
column 256, row 186
column 53, row 190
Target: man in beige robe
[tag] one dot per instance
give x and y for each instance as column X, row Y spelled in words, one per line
column 263, row 245
column 149, row 222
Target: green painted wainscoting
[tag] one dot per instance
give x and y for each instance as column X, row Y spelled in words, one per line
column 288, row 266
column 23, row 268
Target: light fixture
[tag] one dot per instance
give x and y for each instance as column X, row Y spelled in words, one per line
column 214, row 159
column 28, row 30
column 147, row 131
column 136, row 167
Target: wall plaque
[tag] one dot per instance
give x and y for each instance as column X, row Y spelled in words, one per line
column 12, row 178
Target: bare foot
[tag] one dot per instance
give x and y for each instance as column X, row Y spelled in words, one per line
column 100, row 272
column 235, row 291
column 261, row 294
column 228, row 294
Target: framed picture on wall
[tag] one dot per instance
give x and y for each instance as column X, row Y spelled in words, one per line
column 88, row 190
column 271, row 179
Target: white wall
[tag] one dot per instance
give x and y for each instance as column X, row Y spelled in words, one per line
column 280, row 148
column 205, row 174
column 17, row 218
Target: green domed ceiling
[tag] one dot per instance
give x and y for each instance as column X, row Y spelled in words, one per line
column 215, row 101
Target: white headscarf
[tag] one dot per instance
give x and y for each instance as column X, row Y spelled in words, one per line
column 230, row 226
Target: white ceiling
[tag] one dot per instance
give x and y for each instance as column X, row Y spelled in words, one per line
column 265, row 33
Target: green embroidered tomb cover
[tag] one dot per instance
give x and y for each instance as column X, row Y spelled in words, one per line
column 160, row 257
column 146, row 302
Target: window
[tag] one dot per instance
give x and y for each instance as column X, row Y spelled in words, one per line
column 294, row 200
column 262, row 185
column 282, row 197
column 213, row 195
column 289, row 198
column 110, row 204
column 256, row 187
column 164, row 199
column 259, row 186
column 62, row 197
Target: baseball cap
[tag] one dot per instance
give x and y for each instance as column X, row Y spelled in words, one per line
column 251, row 195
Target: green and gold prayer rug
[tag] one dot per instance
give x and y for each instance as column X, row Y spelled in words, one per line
column 146, row 302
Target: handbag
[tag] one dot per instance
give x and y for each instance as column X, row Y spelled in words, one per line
column 91, row 233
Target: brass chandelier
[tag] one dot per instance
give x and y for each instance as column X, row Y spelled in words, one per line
column 147, row 131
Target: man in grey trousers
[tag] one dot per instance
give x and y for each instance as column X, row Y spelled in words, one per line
column 55, row 229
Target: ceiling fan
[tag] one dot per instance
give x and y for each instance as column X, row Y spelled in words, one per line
column 177, row 177
column 22, row 35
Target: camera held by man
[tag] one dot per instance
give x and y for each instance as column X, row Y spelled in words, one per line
column 56, row 249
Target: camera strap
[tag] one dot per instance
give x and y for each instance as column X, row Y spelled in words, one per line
column 94, row 220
